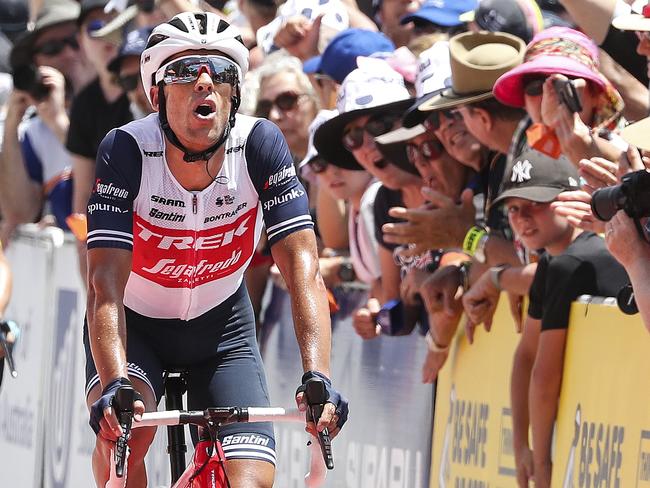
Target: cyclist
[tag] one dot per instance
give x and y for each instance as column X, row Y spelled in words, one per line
column 175, row 215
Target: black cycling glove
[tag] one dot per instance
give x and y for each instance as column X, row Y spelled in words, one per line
column 334, row 397
column 106, row 400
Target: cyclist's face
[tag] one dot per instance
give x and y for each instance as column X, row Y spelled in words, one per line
column 199, row 111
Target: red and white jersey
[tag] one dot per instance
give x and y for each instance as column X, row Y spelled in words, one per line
column 190, row 249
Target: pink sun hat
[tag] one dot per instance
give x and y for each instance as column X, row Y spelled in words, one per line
column 555, row 50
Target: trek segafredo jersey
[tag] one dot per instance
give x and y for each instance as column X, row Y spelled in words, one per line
column 190, row 249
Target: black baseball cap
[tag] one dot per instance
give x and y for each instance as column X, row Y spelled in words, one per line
column 532, row 175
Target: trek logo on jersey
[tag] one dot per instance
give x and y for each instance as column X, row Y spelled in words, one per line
column 183, row 242
column 109, row 190
column 284, row 198
column 235, row 149
column 153, row 154
column 167, row 201
column 277, row 178
column 104, row 207
column 185, row 258
column 168, row 216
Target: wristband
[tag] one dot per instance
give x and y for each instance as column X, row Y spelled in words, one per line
column 472, row 239
column 495, row 275
column 431, row 344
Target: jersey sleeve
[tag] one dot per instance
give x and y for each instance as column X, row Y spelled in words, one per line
column 284, row 200
column 117, row 182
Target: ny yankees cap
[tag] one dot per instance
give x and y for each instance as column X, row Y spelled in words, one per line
column 535, row 176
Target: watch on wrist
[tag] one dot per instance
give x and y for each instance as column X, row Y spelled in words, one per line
column 495, row 275
column 346, row 272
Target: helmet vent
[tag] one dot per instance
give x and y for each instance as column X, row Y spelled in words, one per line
column 223, row 25
column 203, row 22
column 155, row 39
column 179, row 24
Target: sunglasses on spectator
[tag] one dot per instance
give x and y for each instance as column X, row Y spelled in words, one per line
column 95, row 25
column 432, row 122
column 286, row 101
column 427, row 150
column 375, row 126
column 54, row 47
column 318, row 165
column 188, row 69
column 128, row 82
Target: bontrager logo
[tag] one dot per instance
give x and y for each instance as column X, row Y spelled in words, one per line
column 225, row 215
column 521, row 171
column 110, row 190
column 167, row 201
column 214, row 241
column 168, row 216
column 280, row 199
column 284, row 174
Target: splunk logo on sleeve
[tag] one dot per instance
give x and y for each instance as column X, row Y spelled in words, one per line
column 109, row 190
column 281, row 176
column 284, row 198
column 184, row 258
column 105, row 207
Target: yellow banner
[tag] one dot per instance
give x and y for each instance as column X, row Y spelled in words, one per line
column 472, row 441
column 603, row 429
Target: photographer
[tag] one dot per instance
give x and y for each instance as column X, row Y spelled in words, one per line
column 35, row 167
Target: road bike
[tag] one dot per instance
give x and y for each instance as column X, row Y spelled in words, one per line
column 207, row 467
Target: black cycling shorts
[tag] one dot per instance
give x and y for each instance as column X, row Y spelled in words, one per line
column 221, row 361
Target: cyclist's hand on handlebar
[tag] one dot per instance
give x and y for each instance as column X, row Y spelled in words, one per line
column 103, row 419
column 335, row 411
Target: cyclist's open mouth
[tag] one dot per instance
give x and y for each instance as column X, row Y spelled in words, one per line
column 205, row 110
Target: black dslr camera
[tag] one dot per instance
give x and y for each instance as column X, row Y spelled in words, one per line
column 28, row 78
column 568, row 94
column 632, row 195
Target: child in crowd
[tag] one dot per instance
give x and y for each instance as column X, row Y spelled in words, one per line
column 575, row 262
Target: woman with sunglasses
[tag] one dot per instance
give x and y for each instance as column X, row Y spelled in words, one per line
column 180, row 200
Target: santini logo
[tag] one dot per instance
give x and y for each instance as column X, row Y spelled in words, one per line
column 521, row 171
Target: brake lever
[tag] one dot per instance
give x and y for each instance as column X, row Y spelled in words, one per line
column 316, row 398
column 123, row 405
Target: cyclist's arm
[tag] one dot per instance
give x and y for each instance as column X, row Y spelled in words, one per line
column 297, row 259
column 108, row 271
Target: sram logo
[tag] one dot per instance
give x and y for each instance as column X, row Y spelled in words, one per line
column 181, row 242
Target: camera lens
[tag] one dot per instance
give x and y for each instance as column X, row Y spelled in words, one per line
column 605, row 202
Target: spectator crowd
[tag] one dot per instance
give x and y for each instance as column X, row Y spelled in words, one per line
column 450, row 150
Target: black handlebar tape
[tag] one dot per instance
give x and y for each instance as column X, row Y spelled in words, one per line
column 316, row 398
column 123, row 406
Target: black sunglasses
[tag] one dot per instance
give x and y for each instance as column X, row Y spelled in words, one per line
column 286, row 102
column 432, row 122
column 427, row 150
column 318, row 165
column 375, row 126
column 128, row 82
column 54, row 47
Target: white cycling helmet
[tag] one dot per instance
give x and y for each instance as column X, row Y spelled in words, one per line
column 191, row 30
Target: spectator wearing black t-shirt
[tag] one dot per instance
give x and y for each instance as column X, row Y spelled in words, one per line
column 97, row 109
column 575, row 263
